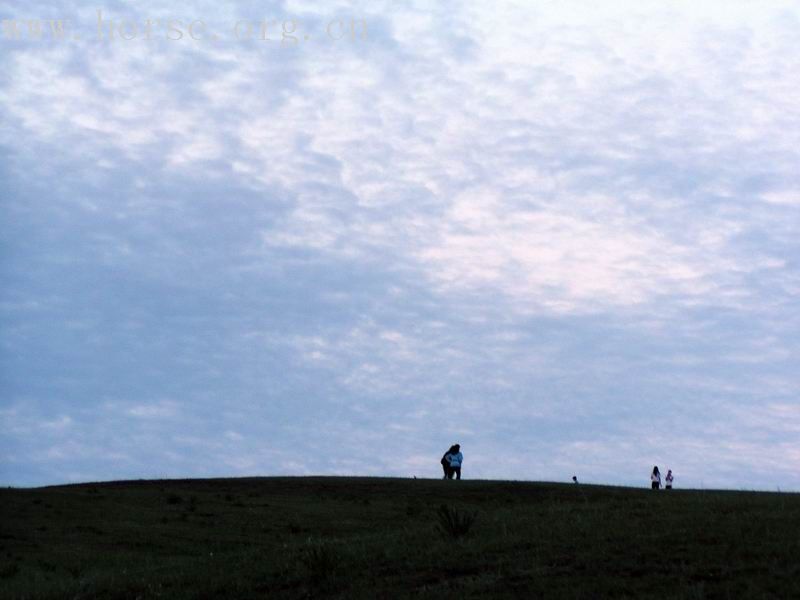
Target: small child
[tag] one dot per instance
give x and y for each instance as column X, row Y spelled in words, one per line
column 668, row 479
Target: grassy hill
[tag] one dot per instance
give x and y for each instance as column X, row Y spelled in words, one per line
column 388, row 538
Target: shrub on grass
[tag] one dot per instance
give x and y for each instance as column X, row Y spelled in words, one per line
column 414, row 509
column 9, row 570
column 321, row 562
column 454, row 523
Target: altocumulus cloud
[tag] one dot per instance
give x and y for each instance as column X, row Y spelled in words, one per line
column 562, row 234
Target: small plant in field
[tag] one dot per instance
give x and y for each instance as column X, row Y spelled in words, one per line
column 454, row 523
column 9, row 571
column 414, row 509
column 75, row 571
column 321, row 562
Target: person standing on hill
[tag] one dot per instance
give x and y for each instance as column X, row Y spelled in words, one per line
column 456, row 458
column 668, row 480
column 446, row 463
column 655, row 479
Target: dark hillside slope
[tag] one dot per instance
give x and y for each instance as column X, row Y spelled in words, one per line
column 390, row 538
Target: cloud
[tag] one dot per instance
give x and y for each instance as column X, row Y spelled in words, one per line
column 783, row 198
column 158, row 410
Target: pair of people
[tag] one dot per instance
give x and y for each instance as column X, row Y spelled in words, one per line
column 451, row 462
column 655, row 479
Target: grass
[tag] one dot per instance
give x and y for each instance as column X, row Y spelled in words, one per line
column 454, row 523
column 389, row 538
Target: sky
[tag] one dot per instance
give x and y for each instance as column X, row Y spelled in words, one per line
column 562, row 234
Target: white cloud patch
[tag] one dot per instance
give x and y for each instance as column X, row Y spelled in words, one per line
column 558, row 262
column 783, row 198
column 159, row 410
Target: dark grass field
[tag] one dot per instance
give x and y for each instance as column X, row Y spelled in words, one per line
column 386, row 538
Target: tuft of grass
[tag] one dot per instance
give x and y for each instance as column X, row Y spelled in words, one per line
column 414, row 509
column 9, row 570
column 455, row 523
column 321, row 562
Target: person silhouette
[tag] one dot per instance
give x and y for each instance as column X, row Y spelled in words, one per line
column 446, row 462
column 655, row 479
column 668, row 480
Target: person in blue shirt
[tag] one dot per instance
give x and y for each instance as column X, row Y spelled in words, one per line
column 456, row 458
